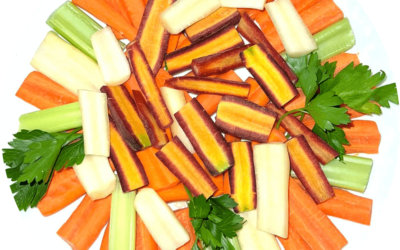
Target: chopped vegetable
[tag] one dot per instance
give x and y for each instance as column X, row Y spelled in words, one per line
column 127, row 118
column 66, row 65
column 129, row 168
column 306, row 166
column 173, row 194
column 205, row 138
column 173, row 42
column 218, row 180
column 271, row 77
column 52, row 120
column 183, row 13
column 272, row 169
column 148, row 85
column 86, row 222
column 158, row 137
column 75, row 26
column 310, row 222
column 213, row 221
column 184, row 219
column 96, row 176
column 134, row 10
column 175, row 100
column 111, row 59
column 122, row 220
column 225, row 39
column 152, row 36
column 159, row 219
column 293, row 241
column 205, row 85
column 144, row 240
column 182, row 164
column 64, row 188
column 244, row 119
column 33, row 158
column 242, row 177
column 43, row 93
column 250, row 4
column 218, row 63
column 212, row 24
column 342, row 61
column 295, row 35
column 363, row 137
column 106, row 238
column 107, row 14
column 257, row 94
column 96, row 129
column 159, row 176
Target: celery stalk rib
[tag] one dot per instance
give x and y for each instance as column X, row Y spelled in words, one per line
column 53, row 120
column 122, row 220
column 352, row 174
column 332, row 41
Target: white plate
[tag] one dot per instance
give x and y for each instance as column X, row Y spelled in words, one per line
column 371, row 52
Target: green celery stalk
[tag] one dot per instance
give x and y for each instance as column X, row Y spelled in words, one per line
column 235, row 243
column 335, row 39
column 352, row 174
column 52, row 120
column 123, row 220
column 76, row 27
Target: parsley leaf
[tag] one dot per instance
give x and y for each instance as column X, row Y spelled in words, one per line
column 385, row 94
column 335, row 138
column 70, row 155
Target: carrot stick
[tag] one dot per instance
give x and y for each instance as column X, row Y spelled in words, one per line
column 132, row 85
column 298, row 102
column 43, row 93
column 106, row 238
column 231, row 138
column 218, row 180
column 86, row 222
column 293, row 241
column 159, row 176
column 352, row 113
column 64, row 189
column 308, row 121
column 184, row 219
column 310, row 222
column 318, row 17
column 106, row 13
column 134, row 10
column 177, row 193
column 256, row 94
column 253, row 13
column 117, row 35
column 118, row 5
column 173, row 42
column 227, row 184
column 363, row 136
column 144, row 240
column 183, row 42
column 343, row 60
column 210, row 102
column 348, row 206
column 276, row 136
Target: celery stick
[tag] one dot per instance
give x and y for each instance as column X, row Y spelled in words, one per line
column 352, row 174
column 335, row 39
column 122, row 220
column 76, row 27
column 53, row 120
column 235, row 243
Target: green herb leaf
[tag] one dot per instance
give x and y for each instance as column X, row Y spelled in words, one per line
column 70, row 155
column 335, row 138
column 199, row 208
column 385, row 94
column 225, row 201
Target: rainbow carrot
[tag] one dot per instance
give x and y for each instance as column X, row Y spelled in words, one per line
column 363, row 136
column 107, row 14
column 43, row 93
column 86, row 222
column 64, row 189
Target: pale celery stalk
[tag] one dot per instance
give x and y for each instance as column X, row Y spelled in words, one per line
column 352, row 174
column 122, row 220
column 53, row 120
column 235, row 243
column 335, row 39
column 76, row 27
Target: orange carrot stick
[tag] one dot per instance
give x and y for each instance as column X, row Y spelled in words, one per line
column 363, row 136
column 256, row 95
column 348, row 206
column 298, row 102
column 132, row 84
column 310, row 222
column 343, row 60
column 183, row 42
column 184, row 219
column 64, row 189
column 276, row 136
column 293, row 241
column 117, row 35
column 144, row 240
column 210, row 102
column 106, row 13
column 86, row 222
column 231, row 138
column 106, row 238
column 134, row 10
column 159, row 176
column 352, row 113
column 177, row 193
column 118, row 5
column 218, row 180
column 43, row 93
column 227, row 184
column 173, row 42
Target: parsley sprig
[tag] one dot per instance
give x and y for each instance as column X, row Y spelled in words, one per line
column 32, row 159
column 213, row 221
column 325, row 94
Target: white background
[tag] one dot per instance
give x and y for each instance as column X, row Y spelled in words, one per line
column 371, row 51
